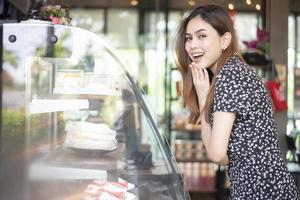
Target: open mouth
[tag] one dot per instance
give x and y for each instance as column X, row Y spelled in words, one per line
column 197, row 56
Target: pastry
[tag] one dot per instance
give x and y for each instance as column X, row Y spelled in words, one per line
column 90, row 136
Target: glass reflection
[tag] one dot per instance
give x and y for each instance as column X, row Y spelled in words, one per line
column 80, row 123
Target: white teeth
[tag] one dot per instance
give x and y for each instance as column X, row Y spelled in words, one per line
column 197, row 54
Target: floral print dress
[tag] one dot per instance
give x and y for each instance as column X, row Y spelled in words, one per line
column 256, row 167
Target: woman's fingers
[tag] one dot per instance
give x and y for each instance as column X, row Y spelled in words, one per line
column 206, row 77
column 195, row 73
column 200, row 80
column 198, row 73
column 201, row 74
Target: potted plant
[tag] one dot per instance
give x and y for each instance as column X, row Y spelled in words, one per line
column 56, row 14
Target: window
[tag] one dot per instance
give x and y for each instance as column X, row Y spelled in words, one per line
column 122, row 33
column 245, row 25
column 89, row 19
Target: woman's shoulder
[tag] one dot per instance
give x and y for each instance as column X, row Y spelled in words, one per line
column 236, row 68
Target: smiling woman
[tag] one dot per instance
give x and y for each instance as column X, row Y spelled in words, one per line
column 233, row 107
column 195, row 38
column 200, row 36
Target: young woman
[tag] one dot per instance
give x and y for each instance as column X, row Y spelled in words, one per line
column 233, row 107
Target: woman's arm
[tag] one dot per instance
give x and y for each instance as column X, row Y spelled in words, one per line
column 216, row 138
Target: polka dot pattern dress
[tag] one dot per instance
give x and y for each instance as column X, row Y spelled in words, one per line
column 256, row 168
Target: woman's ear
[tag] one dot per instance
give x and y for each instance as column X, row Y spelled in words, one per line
column 226, row 39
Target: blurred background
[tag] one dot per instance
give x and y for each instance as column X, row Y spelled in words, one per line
column 142, row 32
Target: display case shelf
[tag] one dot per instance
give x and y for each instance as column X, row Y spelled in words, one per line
column 42, row 171
column 89, row 92
column 38, row 106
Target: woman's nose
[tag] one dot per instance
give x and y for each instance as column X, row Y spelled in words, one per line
column 194, row 43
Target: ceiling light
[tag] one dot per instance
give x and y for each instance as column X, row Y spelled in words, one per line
column 248, row 2
column 230, row 6
column 257, row 7
column 192, row 2
column 134, row 2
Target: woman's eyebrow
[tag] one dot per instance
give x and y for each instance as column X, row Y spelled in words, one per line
column 197, row 31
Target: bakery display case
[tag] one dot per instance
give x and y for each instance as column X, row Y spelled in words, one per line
column 74, row 125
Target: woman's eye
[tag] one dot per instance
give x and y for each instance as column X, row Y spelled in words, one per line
column 188, row 38
column 201, row 36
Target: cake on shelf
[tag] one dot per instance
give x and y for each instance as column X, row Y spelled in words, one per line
column 69, row 79
column 78, row 82
column 90, row 136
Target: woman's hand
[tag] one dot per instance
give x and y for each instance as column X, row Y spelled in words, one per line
column 200, row 81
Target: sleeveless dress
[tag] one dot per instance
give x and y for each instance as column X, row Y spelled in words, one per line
column 256, row 167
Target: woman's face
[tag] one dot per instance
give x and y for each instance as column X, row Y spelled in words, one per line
column 203, row 44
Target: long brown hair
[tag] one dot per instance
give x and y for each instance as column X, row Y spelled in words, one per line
column 219, row 19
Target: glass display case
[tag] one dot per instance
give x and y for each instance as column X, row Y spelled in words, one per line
column 74, row 125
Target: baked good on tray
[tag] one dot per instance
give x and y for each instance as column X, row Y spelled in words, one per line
column 90, row 136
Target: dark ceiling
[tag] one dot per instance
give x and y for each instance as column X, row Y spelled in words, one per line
column 160, row 4
column 26, row 5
